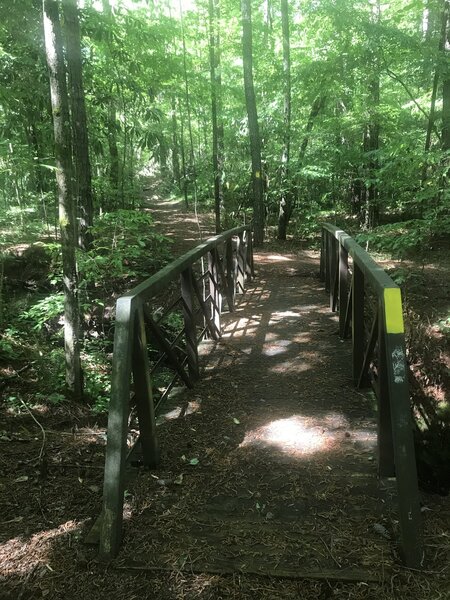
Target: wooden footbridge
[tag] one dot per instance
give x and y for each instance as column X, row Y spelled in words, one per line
column 290, row 451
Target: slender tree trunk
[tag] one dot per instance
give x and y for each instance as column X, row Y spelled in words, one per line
column 316, row 108
column 111, row 119
column 60, row 109
column 285, row 209
column 216, row 108
column 83, row 183
column 446, row 79
column 183, row 162
column 192, row 172
column 253, row 125
column 371, row 141
column 175, row 147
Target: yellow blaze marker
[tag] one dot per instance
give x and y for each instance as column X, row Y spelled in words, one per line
column 393, row 313
column 257, row 174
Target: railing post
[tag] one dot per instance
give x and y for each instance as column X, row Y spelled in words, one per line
column 386, row 466
column 322, row 255
column 143, row 391
column 229, row 260
column 402, row 429
column 116, row 445
column 249, row 268
column 214, row 291
column 334, row 266
column 343, row 288
column 241, row 253
column 327, row 261
column 189, row 323
column 357, row 321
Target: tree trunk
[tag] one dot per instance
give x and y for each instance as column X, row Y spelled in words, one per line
column 111, row 120
column 285, row 209
column 216, row 107
column 83, row 185
column 446, row 80
column 371, row 141
column 175, row 147
column 191, row 171
column 253, row 125
column 60, row 110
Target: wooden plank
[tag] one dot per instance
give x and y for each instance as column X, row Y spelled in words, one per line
column 363, row 379
column 404, row 454
column 143, row 393
column 214, row 291
column 385, row 448
column 189, row 323
column 206, row 313
column 357, row 322
column 229, row 566
column 231, row 284
column 343, row 289
column 166, row 348
column 223, row 280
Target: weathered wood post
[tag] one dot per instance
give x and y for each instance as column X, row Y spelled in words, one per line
column 241, row 259
column 214, row 291
column 143, row 392
column 327, row 261
column 357, row 321
column 397, row 389
column 189, row 322
column 230, row 270
column 113, row 487
column 343, row 288
column 386, row 466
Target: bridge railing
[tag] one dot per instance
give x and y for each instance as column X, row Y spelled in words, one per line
column 194, row 287
column 369, row 304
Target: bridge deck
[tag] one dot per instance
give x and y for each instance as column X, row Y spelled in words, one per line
column 285, row 482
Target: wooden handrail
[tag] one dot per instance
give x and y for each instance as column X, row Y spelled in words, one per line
column 385, row 346
column 230, row 263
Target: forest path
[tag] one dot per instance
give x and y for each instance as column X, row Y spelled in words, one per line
column 268, row 465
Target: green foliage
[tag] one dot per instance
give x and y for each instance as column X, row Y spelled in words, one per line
column 126, row 247
column 49, row 308
column 400, row 239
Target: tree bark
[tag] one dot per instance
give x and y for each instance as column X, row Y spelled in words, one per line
column 446, row 80
column 253, row 125
column 216, row 107
column 285, row 209
column 175, row 146
column 111, row 120
column 60, row 110
column 83, row 181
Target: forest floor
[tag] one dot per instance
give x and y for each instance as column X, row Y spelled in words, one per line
column 283, row 481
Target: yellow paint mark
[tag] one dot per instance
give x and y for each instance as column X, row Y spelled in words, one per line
column 393, row 313
column 257, row 175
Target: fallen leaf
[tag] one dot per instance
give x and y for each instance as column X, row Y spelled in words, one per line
column 236, row 421
column 21, row 479
column 194, row 461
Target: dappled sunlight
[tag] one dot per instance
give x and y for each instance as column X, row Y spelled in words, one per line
column 293, row 436
column 300, row 436
column 15, row 553
column 291, row 366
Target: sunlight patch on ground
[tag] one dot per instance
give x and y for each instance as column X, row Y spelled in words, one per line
column 293, row 436
column 276, row 348
column 293, row 366
column 15, row 553
column 300, row 436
